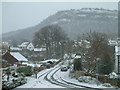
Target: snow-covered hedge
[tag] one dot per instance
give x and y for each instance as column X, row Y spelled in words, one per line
column 88, row 79
column 13, row 82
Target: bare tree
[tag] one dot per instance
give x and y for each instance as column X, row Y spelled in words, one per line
column 94, row 46
column 53, row 38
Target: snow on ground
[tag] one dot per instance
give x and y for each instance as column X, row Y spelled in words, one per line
column 60, row 74
column 65, row 76
column 40, row 82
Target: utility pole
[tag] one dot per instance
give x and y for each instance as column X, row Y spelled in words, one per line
column 119, row 36
column 117, row 47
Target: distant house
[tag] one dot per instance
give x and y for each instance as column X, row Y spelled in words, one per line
column 112, row 42
column 40, row 52
column 26, row 46
column 14, row 58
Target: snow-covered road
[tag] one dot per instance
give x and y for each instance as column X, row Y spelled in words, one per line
column 41, row 82
column 54, row 78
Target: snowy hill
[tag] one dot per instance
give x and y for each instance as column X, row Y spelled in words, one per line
column 73, row 22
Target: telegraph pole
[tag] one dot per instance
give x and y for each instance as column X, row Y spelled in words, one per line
column 118, row 37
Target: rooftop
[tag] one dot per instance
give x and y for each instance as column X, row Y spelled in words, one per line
column 18, row 56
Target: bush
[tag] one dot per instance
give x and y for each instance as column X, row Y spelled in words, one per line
column 77, row 65
column 118, row 82
column 106, row 65
column 27, row 71
column 88, row 79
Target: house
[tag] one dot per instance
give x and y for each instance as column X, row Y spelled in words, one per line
column 38, row 50
column 26, row 46
column 14, row 58
column 112, row 42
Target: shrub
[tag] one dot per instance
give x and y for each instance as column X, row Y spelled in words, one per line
column 118, row 82
column 77, row 65
column 27, row 71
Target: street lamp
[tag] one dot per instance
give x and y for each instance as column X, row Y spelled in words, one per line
column 97, row 60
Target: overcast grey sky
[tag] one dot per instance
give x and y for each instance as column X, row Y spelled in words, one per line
column 19, row 15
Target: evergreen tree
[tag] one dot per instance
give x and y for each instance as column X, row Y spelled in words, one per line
column 77, row 64
column 106, row 65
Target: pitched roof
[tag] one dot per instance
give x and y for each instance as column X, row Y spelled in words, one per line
column 18, row 56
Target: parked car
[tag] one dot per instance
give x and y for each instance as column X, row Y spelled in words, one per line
column 64, row 69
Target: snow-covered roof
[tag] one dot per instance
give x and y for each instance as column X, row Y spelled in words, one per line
column 117, row 50
column 52, row 60
column 77, row 56
column 31, row 64
column 18, row 56
column 24, row 44
column 15, row 48
column 39, row 49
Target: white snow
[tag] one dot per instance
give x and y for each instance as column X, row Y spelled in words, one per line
column 65, row 76
column 31, row 64
column 52, row 60
column 24, row 44
column 39, row 49
column 18, row 56
column 77, row 56
column 40, row 82
column 113, row 75
column 15, row 48
column 98, row 10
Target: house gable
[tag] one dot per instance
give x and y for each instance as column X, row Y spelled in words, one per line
column 7, row 56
